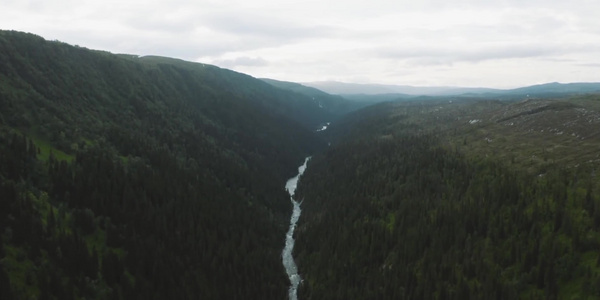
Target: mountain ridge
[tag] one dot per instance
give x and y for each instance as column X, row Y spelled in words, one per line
column 143, row 178
column 341, row 88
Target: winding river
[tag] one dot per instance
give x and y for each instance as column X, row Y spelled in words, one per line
column 288, row 259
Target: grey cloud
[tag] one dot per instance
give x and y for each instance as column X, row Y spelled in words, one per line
column 241, row 61
column 229, row 32
column 441, row 55
column 590, row 65
column 266, row 26
column 160, row 23
column 179, row 44
column 336, row 39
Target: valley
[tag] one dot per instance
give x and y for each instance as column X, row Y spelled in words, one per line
column 127, row 177
column 455, row 199
column 288, row 259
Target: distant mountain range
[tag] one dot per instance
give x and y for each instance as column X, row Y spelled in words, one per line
column 341, row 88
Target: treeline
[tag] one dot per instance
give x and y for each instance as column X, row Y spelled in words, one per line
column 126, row 178
column 389, row 213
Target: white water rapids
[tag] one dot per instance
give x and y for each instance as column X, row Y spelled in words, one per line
column 288, row 259
column 324, row 127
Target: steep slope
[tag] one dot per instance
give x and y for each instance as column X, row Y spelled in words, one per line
column 421, row 200
column 150, row 178
column 335, row 104
column 531, row 134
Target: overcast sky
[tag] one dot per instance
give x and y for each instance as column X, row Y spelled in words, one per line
column 495, row 43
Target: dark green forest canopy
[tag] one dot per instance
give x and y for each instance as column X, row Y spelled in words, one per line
column 150, row 178
column 125, row 177
column 449, row 200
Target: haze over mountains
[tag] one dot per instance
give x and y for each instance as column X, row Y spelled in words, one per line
column 341, row 88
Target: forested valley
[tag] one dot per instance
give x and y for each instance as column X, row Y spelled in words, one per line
column 455, row 199
column 126, row 177
column 143, row 178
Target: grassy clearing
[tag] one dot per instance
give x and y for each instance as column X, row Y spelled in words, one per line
column 46, row 149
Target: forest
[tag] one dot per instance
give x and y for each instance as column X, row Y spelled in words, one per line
column 143, row 178
column 127, row 177
column 409, row 204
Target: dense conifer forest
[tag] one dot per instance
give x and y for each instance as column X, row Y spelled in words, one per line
column 406, row 205
column 142, row 178
column 126, row 177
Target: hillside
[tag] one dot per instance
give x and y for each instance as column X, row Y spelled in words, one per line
column 532, row 134
column 334, row 104
column 142, row 178
column 470, row 199
column 126, row 177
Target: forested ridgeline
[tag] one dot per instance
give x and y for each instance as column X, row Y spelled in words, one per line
column 390, row 213
column 142, row 178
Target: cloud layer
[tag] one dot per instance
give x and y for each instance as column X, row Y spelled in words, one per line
column 468, row 43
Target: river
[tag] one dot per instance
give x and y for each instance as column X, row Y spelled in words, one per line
column 323, row 127
column 288, row 259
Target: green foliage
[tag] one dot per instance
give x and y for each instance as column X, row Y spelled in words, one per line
column 142, row 178
column 124, row 177
column 391, row 211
